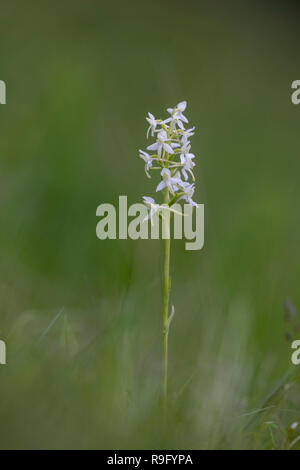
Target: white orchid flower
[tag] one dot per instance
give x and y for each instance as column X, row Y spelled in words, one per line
column 153, row 123
column 186, row 160
column 148, row 161
column 169, row 181
column 151, row 204
column 174, row 120
column 161, row 144
column 176, row 115
column 186, row 133
column 188, row 163
column 189, row 190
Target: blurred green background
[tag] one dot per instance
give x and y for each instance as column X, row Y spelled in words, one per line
column 82, row 317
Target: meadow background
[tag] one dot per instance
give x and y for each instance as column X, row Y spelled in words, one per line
column 82, row 317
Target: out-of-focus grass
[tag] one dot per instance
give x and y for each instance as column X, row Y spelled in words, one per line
column 80, row 78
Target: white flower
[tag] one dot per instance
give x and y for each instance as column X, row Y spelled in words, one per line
column 186, row 160
column 185, row 145
column 189, row 190
column 188, row 164
column 177, row 116
column 174, row 120
column 178, row 110
column 161, row 143
column 150, row 202
column 148, row 161
column 186, row 133
column 168, row 181
column 153, row 123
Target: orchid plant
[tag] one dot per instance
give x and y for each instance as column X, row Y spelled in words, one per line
column 172, row 158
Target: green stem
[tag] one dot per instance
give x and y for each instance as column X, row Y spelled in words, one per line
column 167, row 286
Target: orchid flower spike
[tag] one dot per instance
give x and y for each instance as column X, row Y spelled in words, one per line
column 171, row 152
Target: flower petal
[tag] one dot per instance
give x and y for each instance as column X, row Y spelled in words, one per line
column 181, row 105
column 183, row 118
column 153, row 146
column 161, row 186
column 168, row 148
